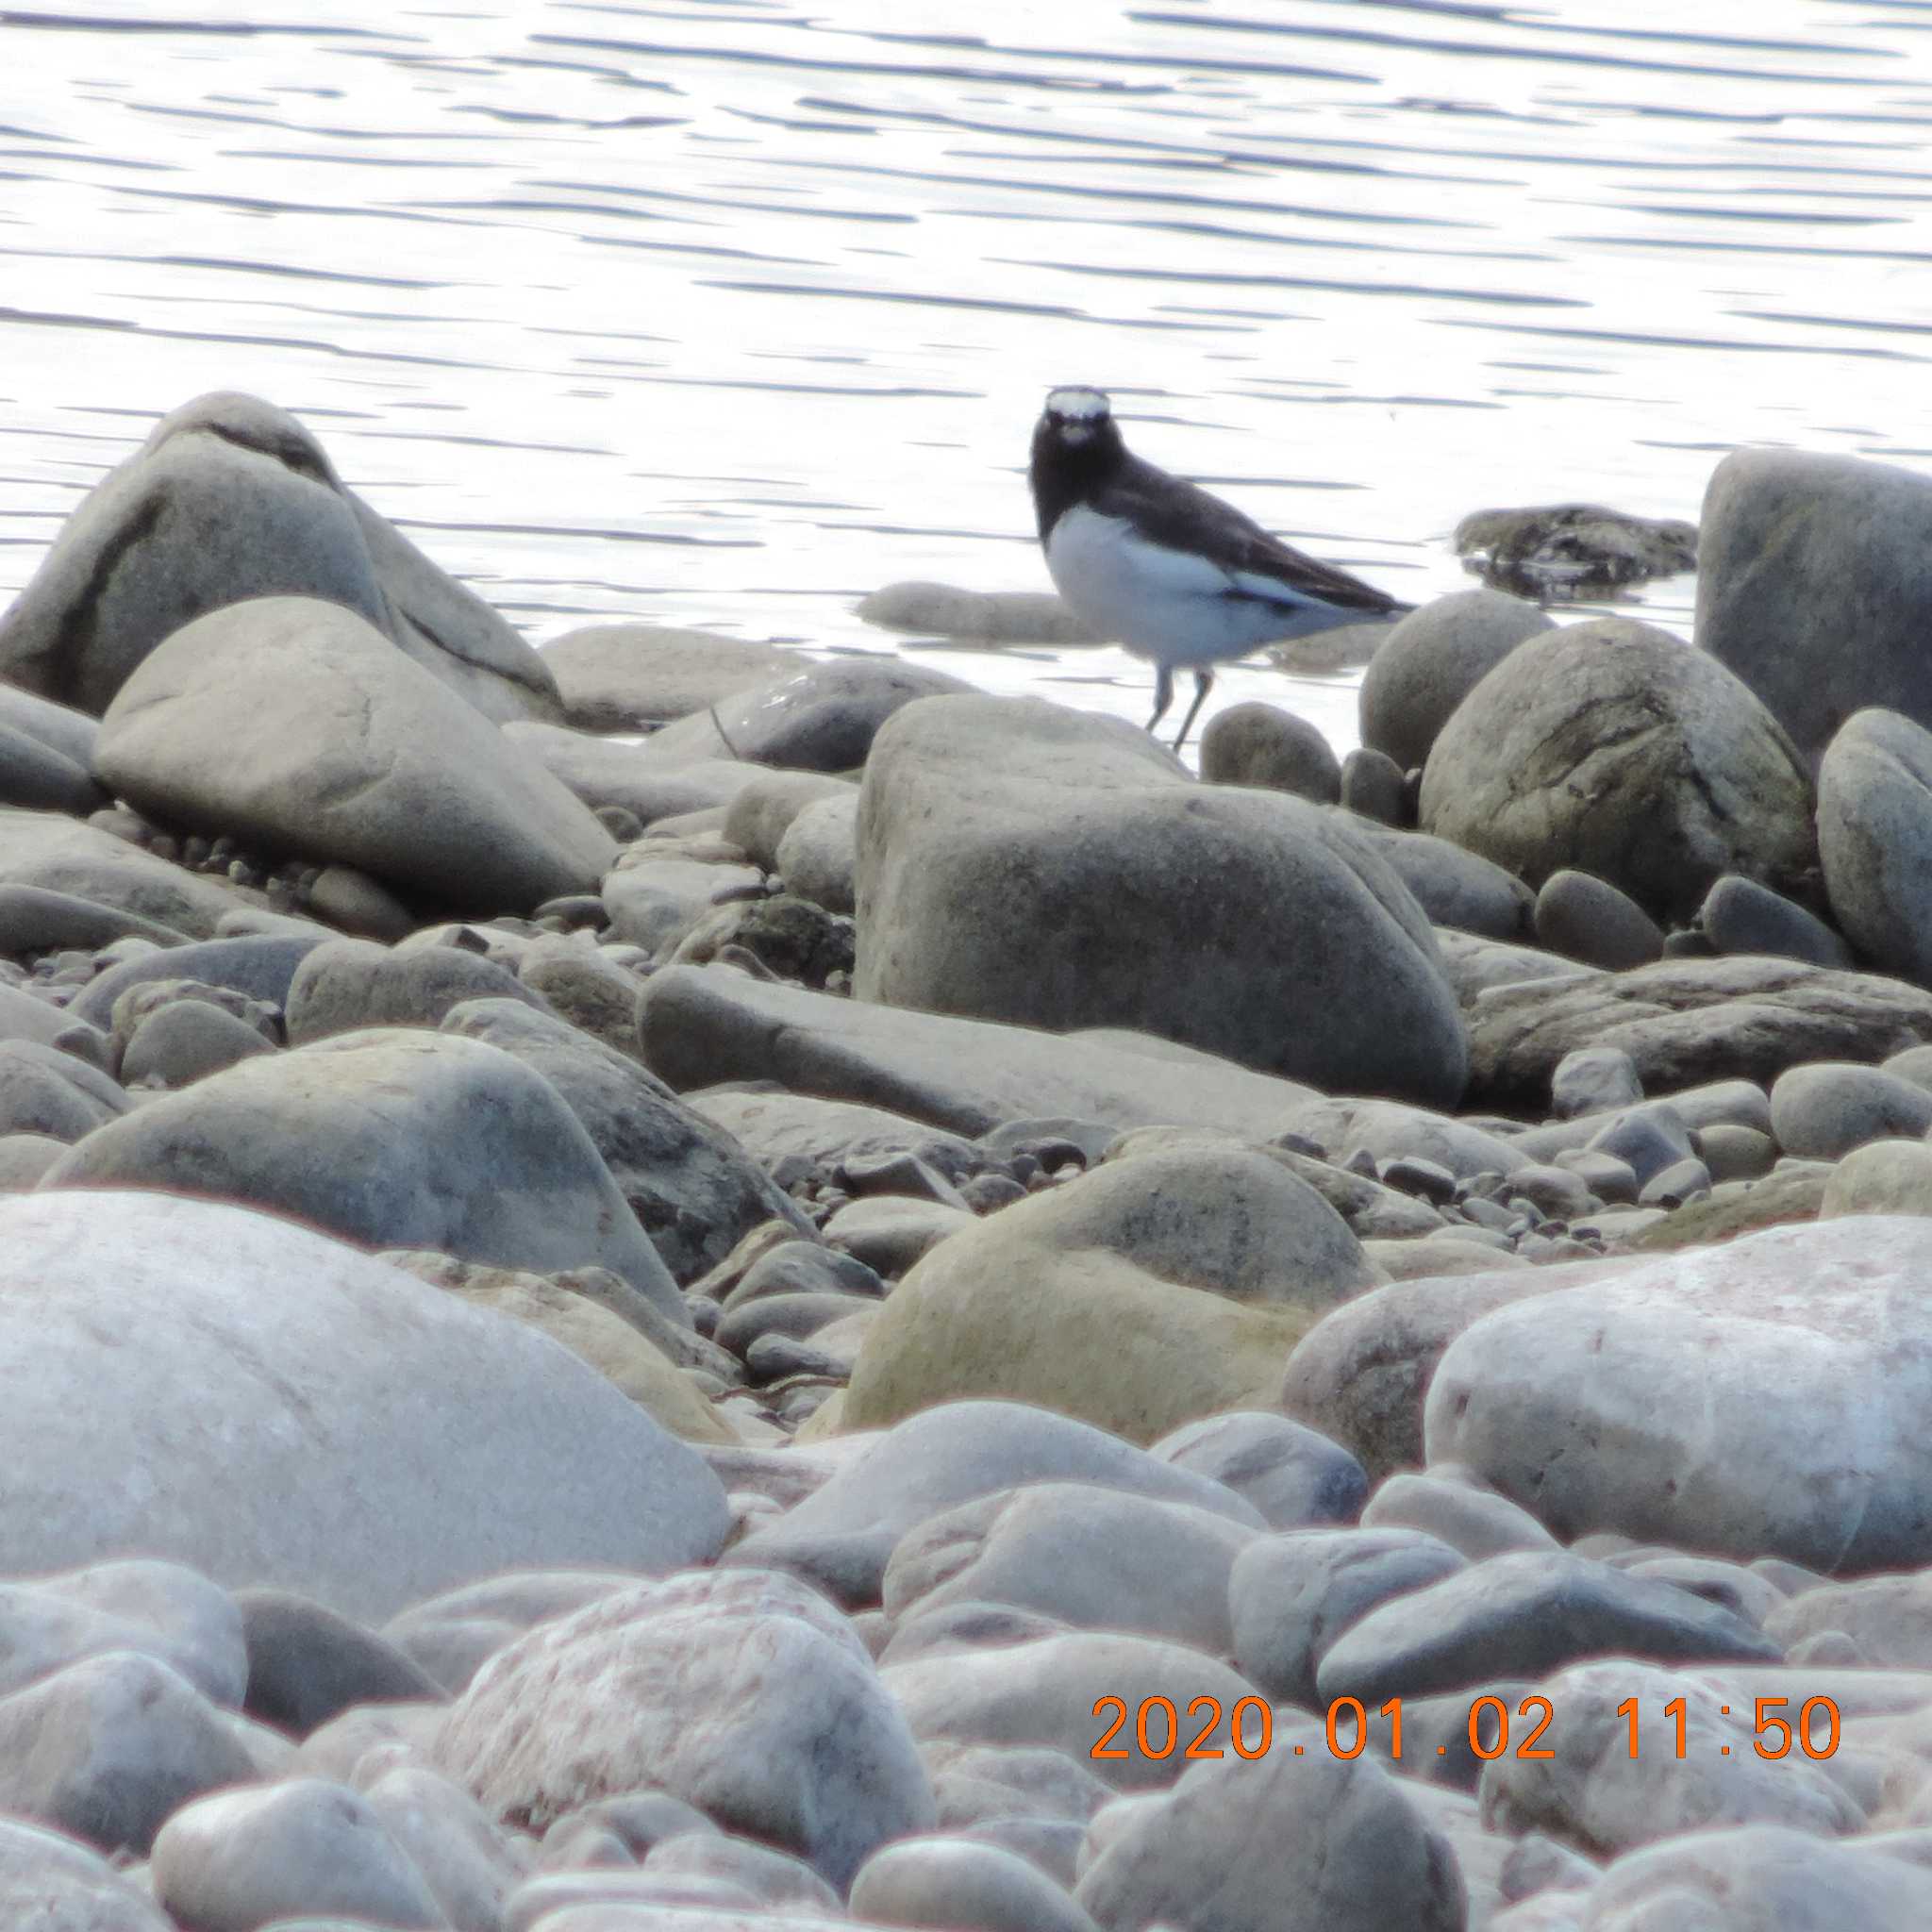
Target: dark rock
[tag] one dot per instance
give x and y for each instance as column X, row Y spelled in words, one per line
column 307, row 1663
column 1741, row 916
column 1587, row 919
column 1573, row 549
column 1371, row 786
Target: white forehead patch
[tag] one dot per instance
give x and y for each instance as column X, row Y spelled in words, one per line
column 1079, row 404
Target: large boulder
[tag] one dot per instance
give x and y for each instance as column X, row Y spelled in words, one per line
column 394, row 1138
column 296, row 726
column 231, row 498
column 1023, row 862
column 1814, row 585
column 704, row 1024
column 1153, row 1291
column 1688, row 1021
column 1764, row 1398
column 1613, row 748
column 191, row 1380
column 1875, row 838
column 1430, row 661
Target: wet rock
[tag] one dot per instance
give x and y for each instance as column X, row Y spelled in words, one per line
column 1784, row 532
column 990, row 828
column 993, row 617
column 604, row 774
column 1431, row 661
column 393, row 1138
column 1273, row 750
column 353, row 754
column 1574, row 549
column 818, row 717
column 1613, row 748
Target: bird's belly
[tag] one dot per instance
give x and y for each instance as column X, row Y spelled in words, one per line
column 1167, row 604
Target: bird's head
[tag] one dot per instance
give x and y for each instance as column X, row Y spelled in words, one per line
column 1075, row 416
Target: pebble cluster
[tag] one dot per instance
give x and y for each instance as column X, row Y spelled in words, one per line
column 661, row 1288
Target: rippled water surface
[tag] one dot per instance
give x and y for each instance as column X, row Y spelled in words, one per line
column 728, row 313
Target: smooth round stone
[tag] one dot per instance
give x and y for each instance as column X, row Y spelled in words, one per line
column 956, row 1883
column 1474, row 1522
column 818, row 857
column 1594, row 1079
column 308, row 1664
column 1875, row 838
column 1293, row 1475
column 1431, row 660
column 1737, row 1154
column 185, row 1040
column 1270, row 748
column 1738, row 915
column 1372, row 785
column 1821, row 1112
column 1884, row 1176
column 238, row 1859
column 1585, row 918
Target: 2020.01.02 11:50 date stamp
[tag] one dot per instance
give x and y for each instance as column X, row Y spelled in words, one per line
column 1157, row 1729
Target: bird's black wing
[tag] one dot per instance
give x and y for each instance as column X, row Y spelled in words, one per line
column 1182, row 516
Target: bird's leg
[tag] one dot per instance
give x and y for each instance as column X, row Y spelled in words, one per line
column 1204, row 683
column 1163, row 695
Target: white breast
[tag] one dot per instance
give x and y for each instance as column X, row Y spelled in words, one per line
column 1171, row 606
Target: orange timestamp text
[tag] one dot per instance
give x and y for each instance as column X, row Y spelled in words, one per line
column 1159, row 1728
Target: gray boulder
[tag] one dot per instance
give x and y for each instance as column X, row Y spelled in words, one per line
column 295, row 726
column 1455, row 888
column 700, row 1025
column 393, row 1138
column 1875, row 838
column 59, row 855
column 1588, row 919
column 346, row 985
column 693, row 1190
column 1283, row 1844
column 1784, row 533
column 301, row 1847
column 1430, row 661
column 635, row 676
column 279, row 1409
column 1765, row 1398
column 1024, row 863
column 1274, row 750
column 1741, row 916
column 231, row 498
column 843, row 1535
column 1525, row 1615
column 1613, row 748
column 1823, row 1111
column 817, row 717
column 108, row 1746
column 741, row 1692
column 1688, row 1021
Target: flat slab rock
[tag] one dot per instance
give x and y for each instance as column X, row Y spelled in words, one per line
column 1686, row 1021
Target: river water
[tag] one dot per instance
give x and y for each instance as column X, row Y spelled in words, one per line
column 728, row 313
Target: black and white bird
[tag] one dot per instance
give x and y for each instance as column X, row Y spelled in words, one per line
column 1161, row 566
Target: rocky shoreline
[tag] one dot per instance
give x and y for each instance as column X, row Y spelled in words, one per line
column 885, row 1309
